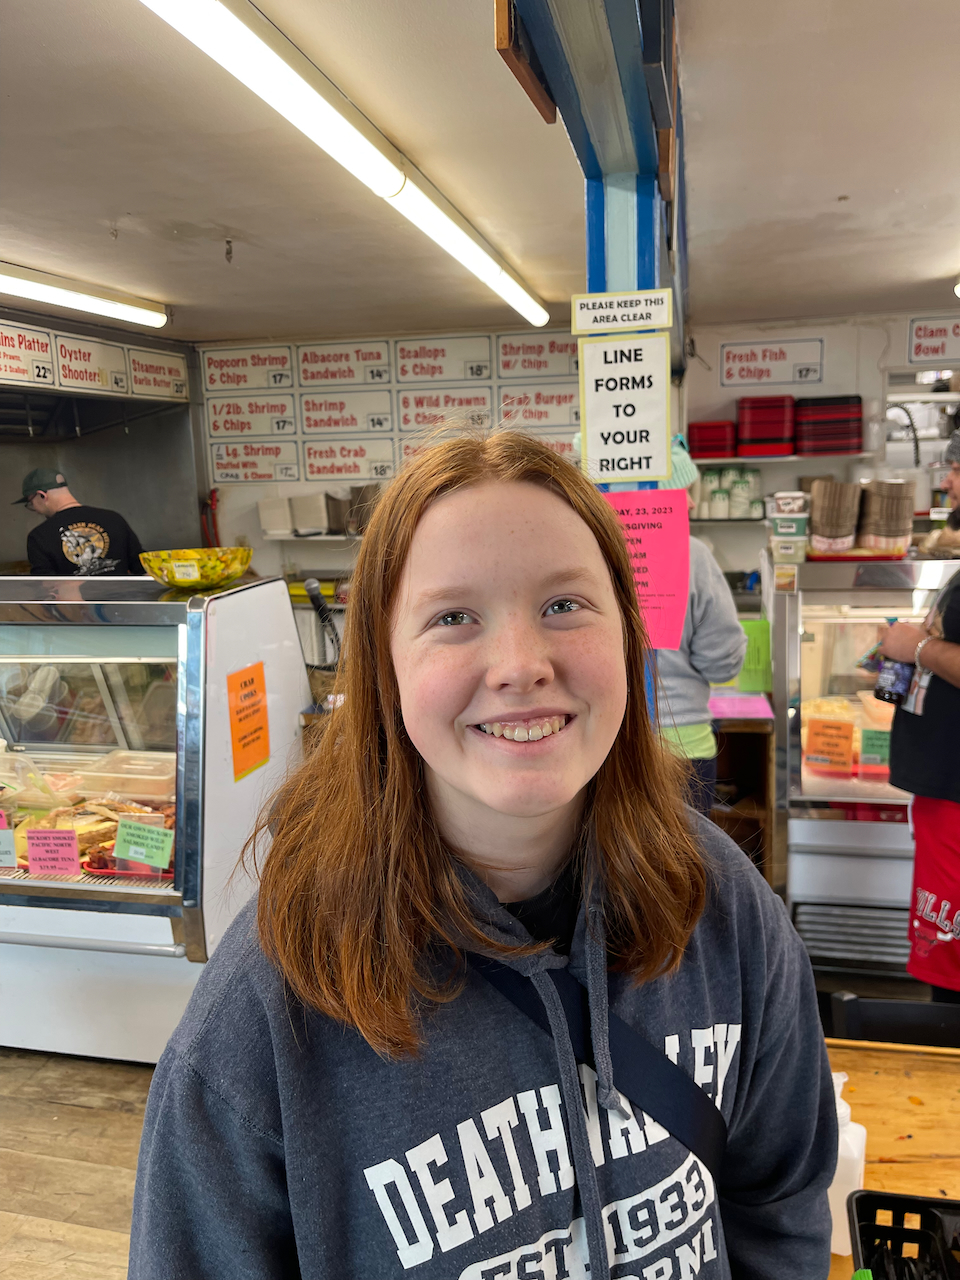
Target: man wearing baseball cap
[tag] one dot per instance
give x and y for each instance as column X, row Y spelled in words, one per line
column 75, row 540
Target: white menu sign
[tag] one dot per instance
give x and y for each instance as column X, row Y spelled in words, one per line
column 625, row 403
column 259, row 368
column 559, row 442
column 257, row 415
column 85, row 365
column 934, row 338
column 540, row 405
column 442, row 359
column 769, row 363
column 341, row 363
column 26, row 355
column 158, row 374
column 332, row 459
column 540, row 355
column 346, row 411
column 455, row 406
column 245, row 460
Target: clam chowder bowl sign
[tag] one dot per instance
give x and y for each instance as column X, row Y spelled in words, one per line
column 625, row 407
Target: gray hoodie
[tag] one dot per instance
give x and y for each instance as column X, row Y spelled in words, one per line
column 277, row 1144
column 711, row 648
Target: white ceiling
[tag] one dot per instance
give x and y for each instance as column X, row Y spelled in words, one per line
column 114, row 122
column 787, row 107
column 111, row 122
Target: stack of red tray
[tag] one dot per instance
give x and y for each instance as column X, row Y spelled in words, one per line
column 764, row 426
column 712, row 439
column 829, row 424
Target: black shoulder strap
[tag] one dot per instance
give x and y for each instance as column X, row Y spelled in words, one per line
column 645, row 1075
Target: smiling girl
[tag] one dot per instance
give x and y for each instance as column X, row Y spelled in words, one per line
column 351, row 1093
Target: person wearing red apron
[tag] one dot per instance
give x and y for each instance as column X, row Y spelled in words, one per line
column 925, row 760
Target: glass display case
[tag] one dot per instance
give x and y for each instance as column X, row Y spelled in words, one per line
column 849, row 844
column 129, row 782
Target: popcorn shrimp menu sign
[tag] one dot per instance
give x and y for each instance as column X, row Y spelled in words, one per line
column 249, row 726
column 247, row 369
column 657, row 532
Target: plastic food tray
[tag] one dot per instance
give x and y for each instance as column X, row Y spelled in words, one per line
column 939, row 1224
column 144, row 775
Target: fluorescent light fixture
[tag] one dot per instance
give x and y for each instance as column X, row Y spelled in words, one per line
column 956, row 288
column 38, row 286
column 277, row 72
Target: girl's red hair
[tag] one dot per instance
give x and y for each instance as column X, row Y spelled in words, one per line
column 357, row 884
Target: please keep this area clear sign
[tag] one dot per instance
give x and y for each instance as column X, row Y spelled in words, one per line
column 625, row 407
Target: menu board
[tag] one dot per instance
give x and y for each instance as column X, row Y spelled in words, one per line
column 346, row 411
column 259, row 368
column 245, row 460
column 48, row 360
column 455, row 406
column 257, row 415
column 341, row 363
column 542, row 355
column 158, row 373
column 353, row 410
column 26, row 356
column 339, row 460
column 550, row 404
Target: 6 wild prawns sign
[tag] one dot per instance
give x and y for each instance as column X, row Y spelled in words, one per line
column 625, row 407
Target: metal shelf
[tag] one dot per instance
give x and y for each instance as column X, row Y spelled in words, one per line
column 791, row 457
column 310, row 537
column 738, row 520
column 924, row 397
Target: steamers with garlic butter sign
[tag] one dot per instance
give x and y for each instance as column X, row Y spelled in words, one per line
column 625, row 407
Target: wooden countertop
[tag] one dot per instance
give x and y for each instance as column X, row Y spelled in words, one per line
column 909, row 1099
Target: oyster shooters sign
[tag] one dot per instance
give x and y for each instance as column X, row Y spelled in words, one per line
column 625, row 407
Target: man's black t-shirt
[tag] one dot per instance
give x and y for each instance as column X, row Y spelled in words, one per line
column 83, row 541
column 925, row 743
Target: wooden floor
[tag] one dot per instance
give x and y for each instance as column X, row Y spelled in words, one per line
column 69, row 1133
column 70, row 1128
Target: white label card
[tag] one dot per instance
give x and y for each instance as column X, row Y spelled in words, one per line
column 443, row 359
column 338, row 411
column 625, row 407
column 158, row 374
column 83, row 365
column 424, row 408
column 256, row 415
column 934, row 338
column 265, row 368
column 621, row 312
column 325, row 364
column 246, row 460
column 348, row 460
column 26, row 356
column 536, row 355
column 546, row 404
column 771, row 363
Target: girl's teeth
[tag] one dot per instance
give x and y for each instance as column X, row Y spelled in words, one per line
column 532, row 732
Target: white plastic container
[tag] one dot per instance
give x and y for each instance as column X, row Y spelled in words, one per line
column 851, row 1158
column 790, row 502
column 720, row 505
column 788, row 550
column 790, row 526
column 134, row 775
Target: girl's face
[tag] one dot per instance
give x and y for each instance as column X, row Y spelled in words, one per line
column 508, row 651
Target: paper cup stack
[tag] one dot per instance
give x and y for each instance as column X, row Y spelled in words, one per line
column 834, row 510
column 887, row 520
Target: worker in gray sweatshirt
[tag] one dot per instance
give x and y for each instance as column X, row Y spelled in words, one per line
column 711, row 652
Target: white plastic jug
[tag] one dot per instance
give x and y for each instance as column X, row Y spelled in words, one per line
column 850, row 1163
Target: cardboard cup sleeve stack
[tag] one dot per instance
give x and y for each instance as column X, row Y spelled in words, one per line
column 886, row 522
column 834, row 510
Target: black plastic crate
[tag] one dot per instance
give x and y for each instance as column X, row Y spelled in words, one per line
column 935, row 1228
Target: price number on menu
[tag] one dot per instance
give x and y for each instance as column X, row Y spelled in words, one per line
column 285, row 471
column 284, row 426
column 382, row 470
column 575, row 415
column 118, row 382
column 479, row 419
column 281, row 378
column 179, row 388
column 574, row 364
column 476, row 369
column 42, row 372
column 377, row 373
column 806, row 373
column 378, row 422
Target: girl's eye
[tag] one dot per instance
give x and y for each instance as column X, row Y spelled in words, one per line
column 453, row 619
column 562, row 606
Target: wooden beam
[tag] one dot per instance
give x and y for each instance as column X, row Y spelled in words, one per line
column 516, row 53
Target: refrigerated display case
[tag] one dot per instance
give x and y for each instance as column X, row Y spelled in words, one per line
column 143, row 731
column 849, row 840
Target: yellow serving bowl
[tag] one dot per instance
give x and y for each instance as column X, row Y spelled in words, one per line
column 198, row 567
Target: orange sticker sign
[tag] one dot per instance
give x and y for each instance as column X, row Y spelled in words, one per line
column 249, row 728
column 830, row 745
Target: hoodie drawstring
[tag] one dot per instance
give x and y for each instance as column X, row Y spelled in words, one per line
column 579, row 1137
column 599, row 1002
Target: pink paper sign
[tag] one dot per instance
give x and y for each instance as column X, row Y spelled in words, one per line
column 3, row 821
column 657, row 529
column 53, row 853
column 740, row 706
